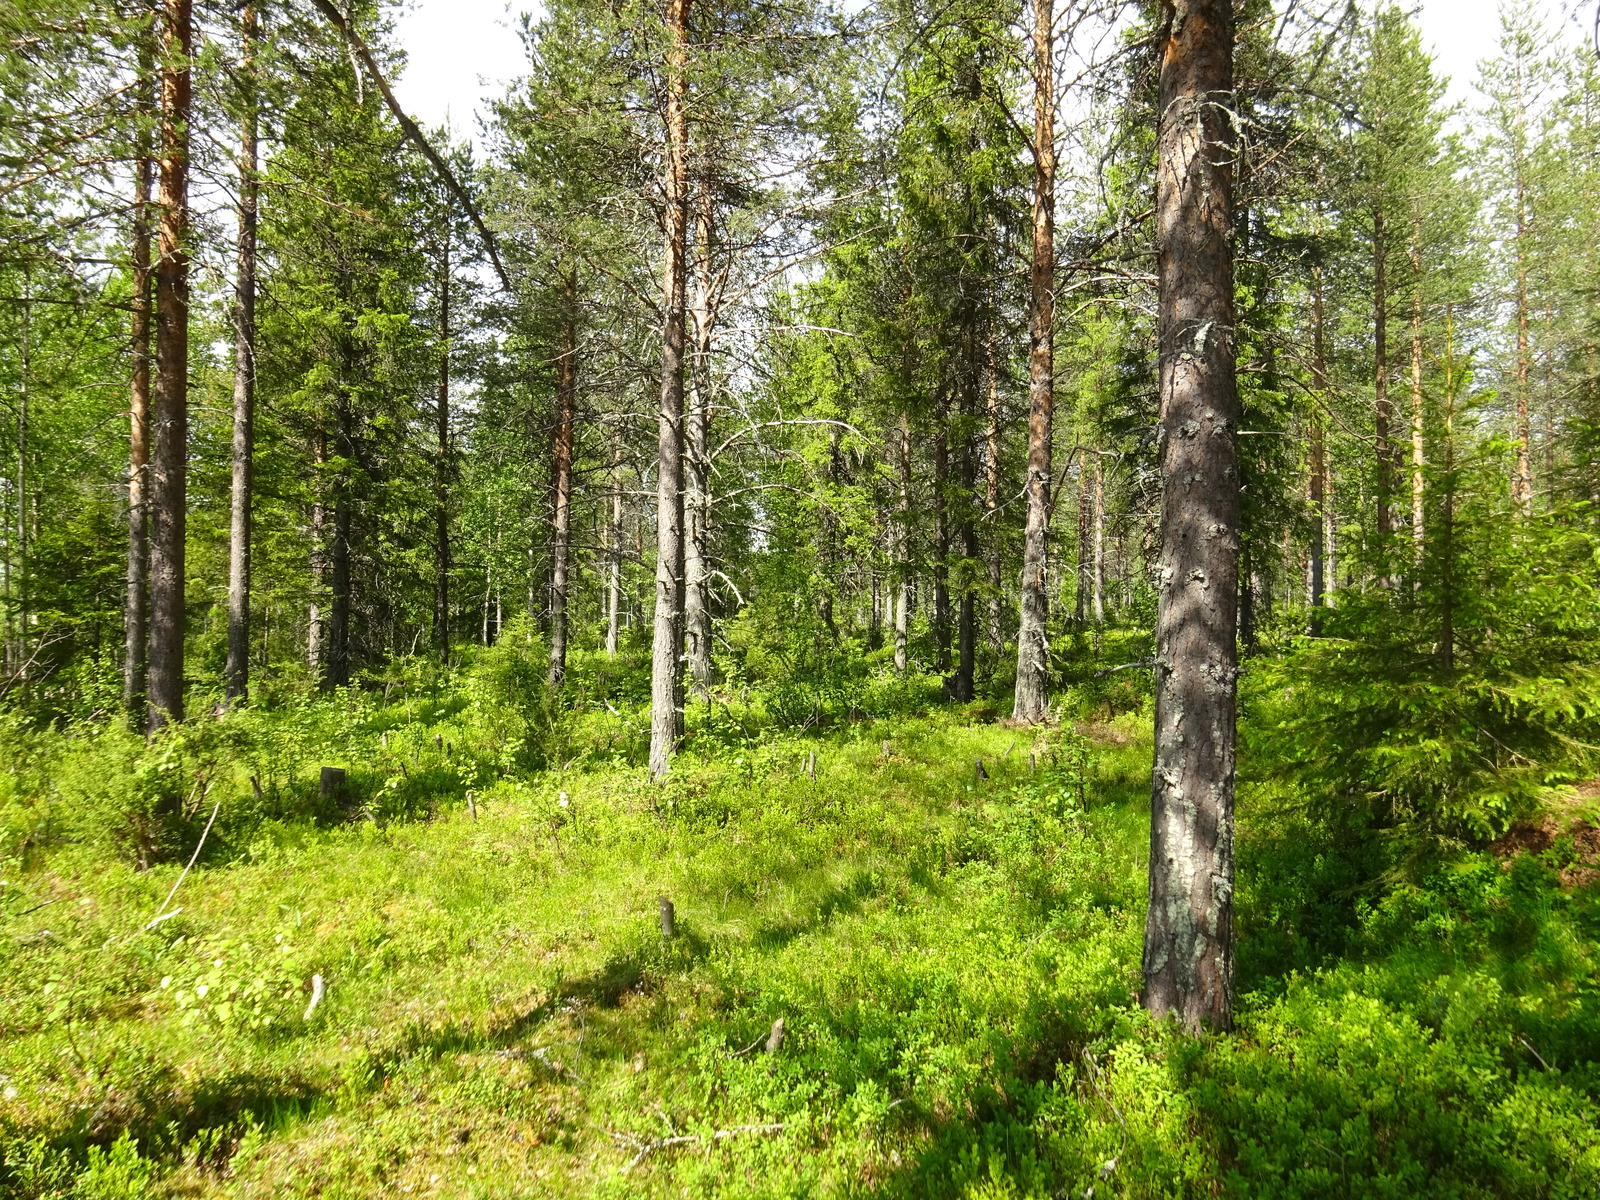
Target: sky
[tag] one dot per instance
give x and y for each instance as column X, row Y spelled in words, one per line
column 463, row 52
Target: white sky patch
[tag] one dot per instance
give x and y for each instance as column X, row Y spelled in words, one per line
column 462, row 53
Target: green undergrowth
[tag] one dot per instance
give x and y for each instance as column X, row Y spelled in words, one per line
column 953, row 952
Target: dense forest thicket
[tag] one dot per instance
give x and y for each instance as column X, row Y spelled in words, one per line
column 887, row 599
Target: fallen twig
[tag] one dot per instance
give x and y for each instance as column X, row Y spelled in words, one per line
column 162, row 914
column 687, row 1139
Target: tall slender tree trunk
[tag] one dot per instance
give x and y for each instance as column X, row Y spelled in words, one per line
column 614, row 567
column 1031, row 703
column 902, row 586
column 561, row 524
column 697, row 465
column 1418, row 447
column 1383, row 422
column 666, row 708
column 136, row 596
column 1188, row 945
column 966, row 526
column 1317, row 447
column 316, row 616
column 170, row 400
column 441, row 466
column 1099, row 541
column 1084, row 585
column 237, row 670
column 991, row 497
column 1522, row 484
column 337, row 672
column 941, row 539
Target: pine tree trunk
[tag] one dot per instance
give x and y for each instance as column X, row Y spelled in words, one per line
column 441, row 467
column 1099, row 542
column 991, row 498
column 666, row 709
column 966, row 527
column 237, row 670
column 1317, row 448
column 1418, row 448
column 561, row 525
column 1031, row 703
column 337, row 672
column 170, row 400
column 902, row 589
column 1380, row 388
column 136, row 596
column 1188, row 947
column 1522, row 485
column 697, row 465
column 941, row 540
column 316, row 624
column 614, row 571
column 1083, row 584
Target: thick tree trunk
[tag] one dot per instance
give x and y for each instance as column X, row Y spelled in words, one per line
column 561, row 524
column 170, row 401
column 666, row 708
column 136, row 597
column 1188, row 948
column 441, row 467
column 697, row 465
column 1031, row 702
column 237, row 671
column 1317, row 449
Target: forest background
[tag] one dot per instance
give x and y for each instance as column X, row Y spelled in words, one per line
column 689, row 569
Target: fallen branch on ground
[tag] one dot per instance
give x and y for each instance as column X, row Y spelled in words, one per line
column 687, row 1139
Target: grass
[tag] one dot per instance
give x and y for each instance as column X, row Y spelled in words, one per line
column 954, row 959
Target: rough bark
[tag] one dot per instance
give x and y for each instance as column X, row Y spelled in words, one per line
column 136, row 596
column 441, row 467
column 561, row 479
column 1030, row 703
column 236, row 673
column 170, row 395
column 1188, row 949
column 666, row 709
column 697, row 465
column 991, row 499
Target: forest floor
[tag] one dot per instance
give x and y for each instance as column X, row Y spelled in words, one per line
column 953, row 955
